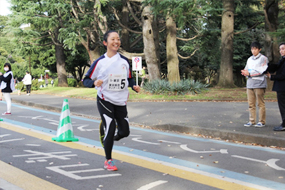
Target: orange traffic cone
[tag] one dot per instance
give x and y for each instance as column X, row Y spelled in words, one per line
column 64, row 130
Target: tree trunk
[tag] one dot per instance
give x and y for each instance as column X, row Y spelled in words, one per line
column 125, row 42
column 226, row 67
column 156, row 40
column 93, row 54
column 151, row 58
column 171, row 51
column 60, row 61
column 60, row 66
column 271, row 24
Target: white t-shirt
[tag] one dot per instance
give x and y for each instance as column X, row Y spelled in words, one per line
column 114, row 72
column 27, row 80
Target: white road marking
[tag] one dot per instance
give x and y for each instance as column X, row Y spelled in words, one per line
column 152, row 185
column 33, row 145
column 146, row 142
column 271, row 162
column 82, row 126
column 71, row 174
column 10, row 140
column 222, row 151
column 1, row 136
column 170, row 142
column 46, row 155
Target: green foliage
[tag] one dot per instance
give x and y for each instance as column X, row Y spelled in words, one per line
column 70, row 81
column 179, row 88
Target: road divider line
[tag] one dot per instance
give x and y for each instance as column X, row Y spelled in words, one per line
column 183, row 172
column 24, row 180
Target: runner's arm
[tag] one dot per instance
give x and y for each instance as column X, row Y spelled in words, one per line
column 88, row 82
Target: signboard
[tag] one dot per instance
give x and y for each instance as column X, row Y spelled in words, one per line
column 136, row 63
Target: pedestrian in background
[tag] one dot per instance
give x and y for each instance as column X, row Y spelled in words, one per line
column 46, row 81
column 7, row 86
column 279, row 86
column 112, row 75
column 143, row 75
column 1, row 95
column 256, row 85
column 27, row 80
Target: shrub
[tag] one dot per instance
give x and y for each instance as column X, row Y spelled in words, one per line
column 70, row 81
column 176, row 88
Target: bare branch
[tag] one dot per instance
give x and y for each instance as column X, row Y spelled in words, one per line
column 118, row 19
column 133, row 14
column 188, row 39
column 99, row 18
column 53, row 40
column 73, row 10
column 130, row 55
column 80, row 8
column 163, row 62
column 248, row 29
column 48, row 44
column 139, row 1
column 136, row 41
column 188, row 56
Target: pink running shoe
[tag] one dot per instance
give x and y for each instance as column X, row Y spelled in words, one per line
column 109, row 165
column 6, row 113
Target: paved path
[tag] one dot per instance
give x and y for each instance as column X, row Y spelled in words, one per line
column 216, row 119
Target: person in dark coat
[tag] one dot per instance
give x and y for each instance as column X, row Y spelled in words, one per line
column 279, row 85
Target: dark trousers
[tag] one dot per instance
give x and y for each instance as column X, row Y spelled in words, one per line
column 111, row 115
column 281, row 104
column 28, row 88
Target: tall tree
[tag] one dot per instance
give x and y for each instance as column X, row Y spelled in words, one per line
column 271, row 11
column 227, row 34
column 46, row 18
column 151, row 58
column 171, row 51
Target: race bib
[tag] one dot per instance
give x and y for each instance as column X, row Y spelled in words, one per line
column 116, row 82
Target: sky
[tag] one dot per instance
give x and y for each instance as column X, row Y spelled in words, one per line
column 4, row 8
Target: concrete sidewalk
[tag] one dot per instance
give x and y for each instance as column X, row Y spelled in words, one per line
column 222, row 120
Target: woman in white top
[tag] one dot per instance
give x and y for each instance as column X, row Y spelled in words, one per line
column 111, row 75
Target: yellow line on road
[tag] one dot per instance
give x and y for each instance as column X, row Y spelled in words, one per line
column 25, row 180
column 184, row 174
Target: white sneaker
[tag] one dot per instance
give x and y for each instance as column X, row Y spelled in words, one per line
column 259, row 124
column 249, row 124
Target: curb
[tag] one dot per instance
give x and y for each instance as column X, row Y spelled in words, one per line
column 225, row 135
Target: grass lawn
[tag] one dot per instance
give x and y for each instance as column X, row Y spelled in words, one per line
column 212, row 94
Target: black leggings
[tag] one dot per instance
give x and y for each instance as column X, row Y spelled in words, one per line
column 28, row 88
column 111, row 115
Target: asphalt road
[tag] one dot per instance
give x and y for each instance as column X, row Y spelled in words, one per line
column 222, row 120
column 147, row 159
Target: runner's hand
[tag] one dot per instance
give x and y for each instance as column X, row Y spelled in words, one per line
column 137, row 88
column 98, row 83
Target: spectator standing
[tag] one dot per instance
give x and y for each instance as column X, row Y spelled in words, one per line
column 256, row 85
column 27, row 80
column 7, row 86
column 279, row 86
